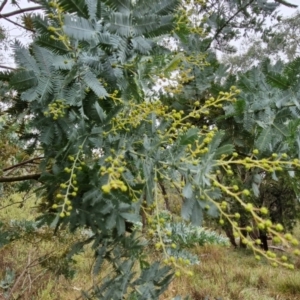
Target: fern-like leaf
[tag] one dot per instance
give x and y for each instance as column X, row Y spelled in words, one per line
column 142, row 45
column 277, row 80
column 93, row 83
column 75, row 6
column 24, row 59
column 45, row 87
column 79, row 28
column 120, row 23
column 63, row 62
column 29, row 95
column 123, row 6
column 47, row 135
column 5, row 75
column 40, row 24
column 92, row 8
column 264, row 139
column 23, row 80
column 44, row 59
column 54, row 46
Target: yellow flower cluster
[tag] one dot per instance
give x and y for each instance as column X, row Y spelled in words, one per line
column 56, row 109
column 69, row 189
column 116, row 166
column 259, row 216
column 57, row 32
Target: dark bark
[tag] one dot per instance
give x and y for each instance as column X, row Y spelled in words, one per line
column 264, row 240
column 21, row 178
column 3, row 4
column 244, row 235
column 165, row 195
column 229, row 234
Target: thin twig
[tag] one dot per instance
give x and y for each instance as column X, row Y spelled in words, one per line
column 19, row 25
column 8, row 68
column 227, row 22
column 38, row 276
column 19, row 202
column 22, row 163
column 277, row 248
column 20, row 11
column 20, row 276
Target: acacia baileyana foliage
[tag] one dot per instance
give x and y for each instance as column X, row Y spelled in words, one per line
column 111, row 144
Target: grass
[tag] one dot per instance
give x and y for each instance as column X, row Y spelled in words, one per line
column 231, row 274
column 223, row 273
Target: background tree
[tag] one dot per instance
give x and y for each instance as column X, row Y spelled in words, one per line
column 231, row 20
column 281, row 44
column 15, row 22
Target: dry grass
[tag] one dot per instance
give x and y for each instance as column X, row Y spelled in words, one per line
column 223, row 273
column 229, row 274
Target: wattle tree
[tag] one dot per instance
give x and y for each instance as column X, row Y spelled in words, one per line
column 111, row 143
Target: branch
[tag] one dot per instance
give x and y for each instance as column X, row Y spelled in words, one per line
column 20, row 276
column 21, row 178
column 8, row 68
column 35, row 1
column 19, row 25
column 22, row 163
column 286, row 3
column 3, row 4
column 30, row 264
column 20, row 11
column 18, row 202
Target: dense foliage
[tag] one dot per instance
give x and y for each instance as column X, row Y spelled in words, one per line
column 110, row 142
